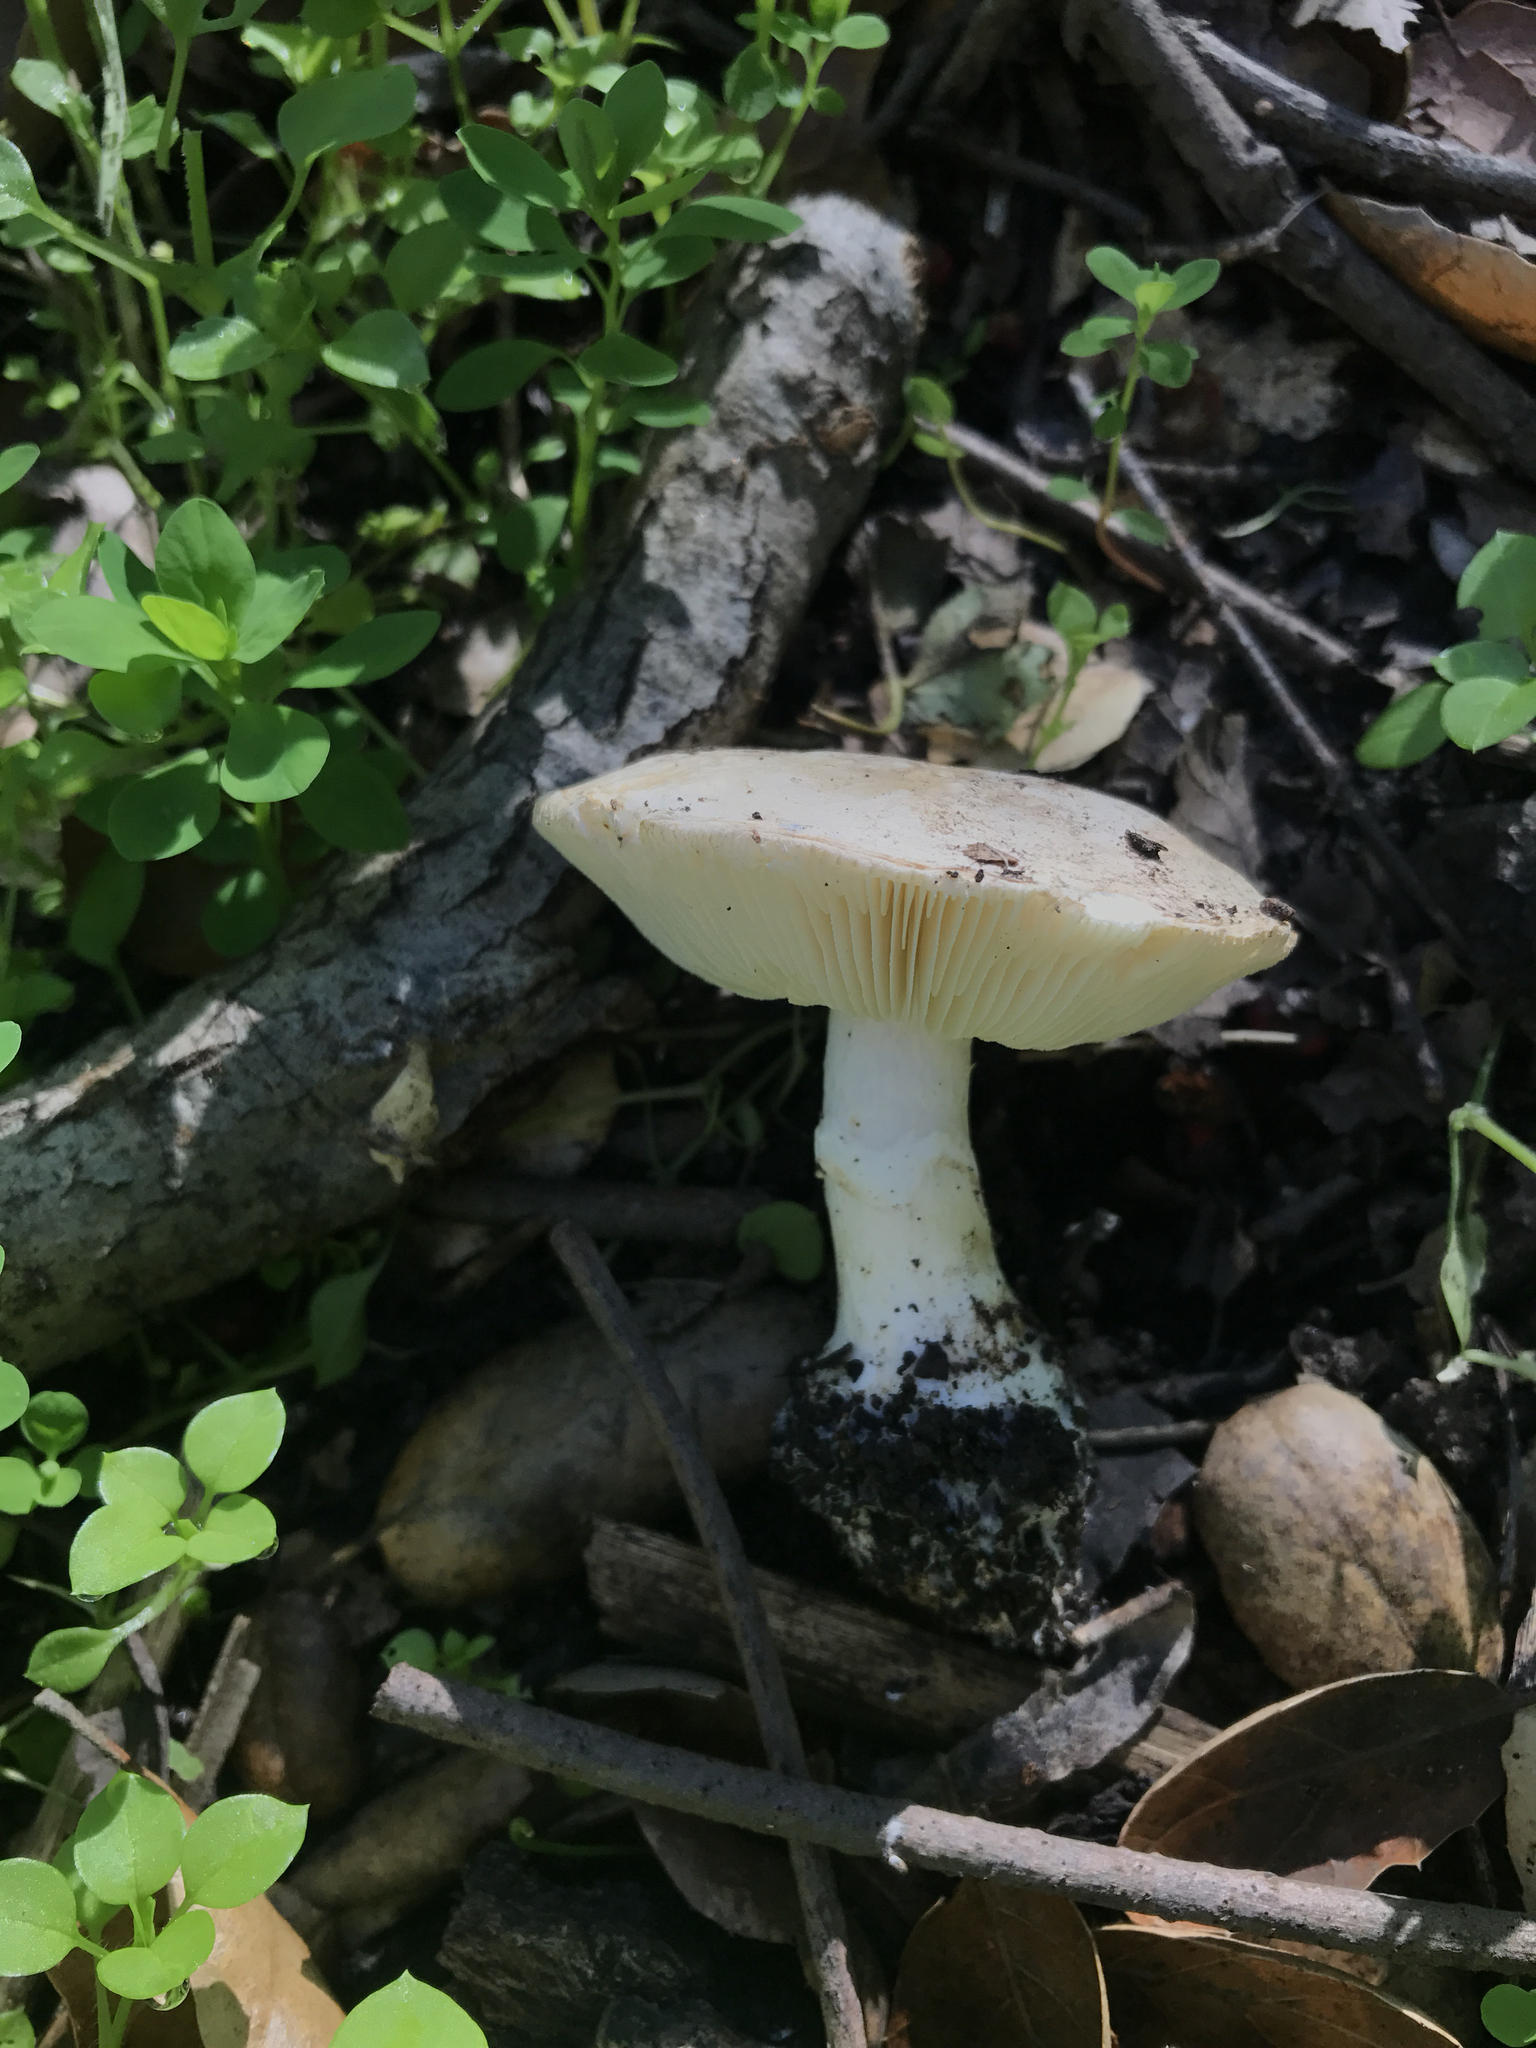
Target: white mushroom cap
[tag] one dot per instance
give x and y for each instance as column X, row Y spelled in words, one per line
column 970, row 903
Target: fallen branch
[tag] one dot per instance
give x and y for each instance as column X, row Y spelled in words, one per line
column 1386, row 156
column 234, row 1124
column 855, row 1824
column 632, row 1209
column 825, row 1929
column 1254, row 187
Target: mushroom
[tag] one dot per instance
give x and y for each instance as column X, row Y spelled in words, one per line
column 923, row 907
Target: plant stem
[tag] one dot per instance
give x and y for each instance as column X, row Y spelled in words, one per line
column 380, row 731
column 978, row 511
column 197, row 198
column 773, row 163
column 588, row 434
column 1471, row 1117
column 183, row 48
column 114, row 123
column 269, row 842
column 450, row 44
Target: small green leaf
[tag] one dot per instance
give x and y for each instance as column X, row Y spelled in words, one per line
column 514, row 167
column 620, row 359
column 1409, row 730
column 370, row 651
column 791, row 1232
column 1192, row 281
column 667, row 409
column 480, row 210
column 1500, row 582
column 730, row 219
column 1168, row 363
column 352, row 807
column 278, row 606
column 176, row 445
column 221, row 346
column 55, row 1421
column 244, row 913
column 407, row 2014
column 141, row 701
column 105, row 908
column 166, row 810
column 383, row 349
column 239, row 1848
column 10, row 1045
column 1114, row 269
column 1109, row 423
column 1483, row 661
column 423, row 264
column 95, row 632
column 14, row 1394
column 353, row 106
column 238, row 1527
column 1141, row 525
column 1508, row 2012
column 861, row 32
column 273, row 752
column 588, row 140
column 654, row 262
column 60, row 1484
column 116, row 1547
column 1071, row 490
column 338, row 1323
column 1071, row 611
column 18, row 188
column 202, row 557
column 636, row 109
column 149, row 1481
column 15, row 462
column 128, row 1843
column 187, row 626
column 21, row 1488
column 483, row 377
column 1482, row 710
column 176, row 1951
column 230, row 1443
column 752, row 84
column 928, row 400
column 527, row 532
column 37, row 1917
column 69, row 1659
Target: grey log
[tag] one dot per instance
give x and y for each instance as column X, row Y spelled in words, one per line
column 234, row 1123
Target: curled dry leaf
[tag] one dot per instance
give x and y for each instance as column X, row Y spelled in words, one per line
column 1208, row 1991
column 1337, row 1785
column 1105, row 698
column 1486, row 287
column 996, row 1967
column 1478, row 87
column 1520, row 1802
column 299, row 1738
column 1339, row 1547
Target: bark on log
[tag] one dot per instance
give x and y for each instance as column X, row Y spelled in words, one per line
column 234, row 1123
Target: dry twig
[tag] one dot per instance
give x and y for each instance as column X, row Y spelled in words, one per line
column 603, row 1208
column 826, row 1935
column 855, row 1824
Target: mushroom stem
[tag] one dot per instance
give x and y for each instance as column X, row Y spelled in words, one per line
column 936, row 1434
column 915, row 1263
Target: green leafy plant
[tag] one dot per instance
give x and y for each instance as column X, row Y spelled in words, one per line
column 1147, row 293
column 1487, row 687
column 930, row 409
column 110, row 1879
column 163, row 1519
column 1466, row 1233
column 781, row 68
column 187, row 741
column 1509, row 2014
column 455, row 1656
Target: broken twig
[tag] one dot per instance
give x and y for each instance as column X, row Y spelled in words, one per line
column 826, row 1934
column 856, row 1824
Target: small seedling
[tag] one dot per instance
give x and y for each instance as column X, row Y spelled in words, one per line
column 1466, row 1234
column 164, row 1518
column 1148, row 293
column 455, row 1656
column 1487, row 690
column 110, row 1880
column 1084, row 629
column 1509, row 2014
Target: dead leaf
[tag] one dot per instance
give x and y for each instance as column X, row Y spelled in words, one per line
column 560, row 1123
column 742, row 1882
column 1480, row 88
column 996, row 1967
column 403, row 1122
column 1485, row 287
column 1387, row 20
column 1520, row 1802
column 1339, row 1547
column 1072, row 1722
column 1337, row 1785
column 1209, row 1991
column 1105, row 698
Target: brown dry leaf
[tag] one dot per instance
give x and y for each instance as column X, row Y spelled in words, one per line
column 259, row 1989
column 1208, row 1991
column 1387, row 20
column 1485, row 287
column 1479, row 89
column 1339, row 1547
column 1337, row 1785
column 996, row 1967
column 1105, row 698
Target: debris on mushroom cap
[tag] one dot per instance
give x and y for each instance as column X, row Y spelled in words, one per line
column 850, row 881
